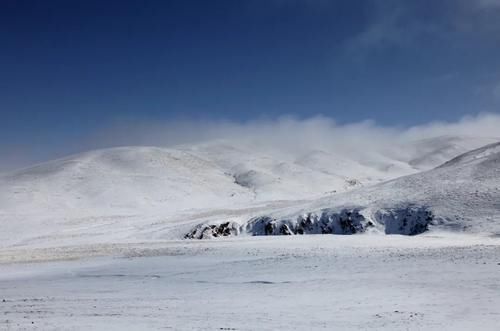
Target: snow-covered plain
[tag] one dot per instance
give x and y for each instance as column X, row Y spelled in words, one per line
column 323, row 282
column 96, row 240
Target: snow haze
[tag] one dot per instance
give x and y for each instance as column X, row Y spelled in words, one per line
column 287, row 135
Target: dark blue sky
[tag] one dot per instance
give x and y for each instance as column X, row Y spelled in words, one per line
column 70, row 67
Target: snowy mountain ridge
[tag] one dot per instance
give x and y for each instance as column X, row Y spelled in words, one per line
column 150, row 193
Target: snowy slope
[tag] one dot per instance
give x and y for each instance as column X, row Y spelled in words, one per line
column 212, row 174
column 270, row 176
column 428, row 153
column 120, row 179
column 279, row 175
column 149, row 193
column 463, row 194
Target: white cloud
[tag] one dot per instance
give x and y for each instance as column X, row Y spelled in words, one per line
column 286, row 135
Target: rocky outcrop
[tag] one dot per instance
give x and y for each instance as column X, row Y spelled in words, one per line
column 411, row 220
column 407, row 220
column 207, row 231
column 346, row 221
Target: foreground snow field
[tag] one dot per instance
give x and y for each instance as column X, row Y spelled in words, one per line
column 360, row 282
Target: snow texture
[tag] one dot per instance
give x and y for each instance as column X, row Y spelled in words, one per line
column 101, row 240
column 319, row 282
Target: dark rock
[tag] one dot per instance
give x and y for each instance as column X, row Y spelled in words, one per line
column 410, row 220
column 206, row 231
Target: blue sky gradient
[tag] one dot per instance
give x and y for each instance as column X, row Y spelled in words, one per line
column 69, row 68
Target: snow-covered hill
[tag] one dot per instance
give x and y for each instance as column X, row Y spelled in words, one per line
column 462, row 194
column 121, row 179
column 146, row 193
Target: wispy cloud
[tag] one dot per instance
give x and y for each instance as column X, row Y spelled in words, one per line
column 285, row 135
column 410, row 23
column 393, row 23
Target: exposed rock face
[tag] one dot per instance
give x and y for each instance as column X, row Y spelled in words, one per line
column 206, row 231
column 347, row 221
column 266, row 226
column 409, row 221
